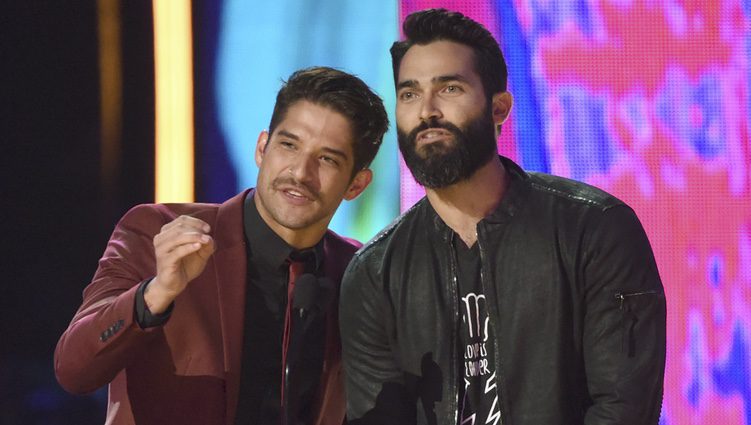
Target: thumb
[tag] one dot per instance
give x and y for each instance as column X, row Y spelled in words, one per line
column 207, row 250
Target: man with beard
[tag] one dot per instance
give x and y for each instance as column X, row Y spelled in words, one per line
column 192, row 316
column 503, row 296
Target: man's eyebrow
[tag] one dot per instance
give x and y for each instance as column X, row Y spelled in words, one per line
column 335, row 152
column 329, row 150
column 407, row 84
column 435, row 80
column 451, row 77
column 287, row 134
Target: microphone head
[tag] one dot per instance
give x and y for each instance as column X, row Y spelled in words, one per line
column 304, row 294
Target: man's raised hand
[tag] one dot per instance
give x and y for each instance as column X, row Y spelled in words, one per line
column 182, row 249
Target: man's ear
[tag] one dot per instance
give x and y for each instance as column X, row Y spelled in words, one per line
column 502, row 103
column 361, row 180
column 263, row 140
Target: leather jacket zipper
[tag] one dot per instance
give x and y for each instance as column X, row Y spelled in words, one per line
column 454, row 289
column 621, row 296
column 629, row 319
column 493, row 326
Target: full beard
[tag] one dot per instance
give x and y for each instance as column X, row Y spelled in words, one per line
column 440, row 164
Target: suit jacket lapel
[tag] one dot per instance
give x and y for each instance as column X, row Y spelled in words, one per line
column 331, row 388
column 231, row 279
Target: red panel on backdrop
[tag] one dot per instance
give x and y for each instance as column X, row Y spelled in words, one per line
column 649, row 101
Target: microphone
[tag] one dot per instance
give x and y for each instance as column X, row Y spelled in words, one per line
column 305, row 294
column 311, row 297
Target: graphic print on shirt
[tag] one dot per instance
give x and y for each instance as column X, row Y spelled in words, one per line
column 479, row 373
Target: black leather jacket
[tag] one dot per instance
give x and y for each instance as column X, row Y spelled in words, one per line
column 574, row 299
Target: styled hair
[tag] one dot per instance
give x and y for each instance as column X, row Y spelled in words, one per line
column 431, row 25
column 345, row 94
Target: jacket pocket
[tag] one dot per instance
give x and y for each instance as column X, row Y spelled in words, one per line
column 629, row 304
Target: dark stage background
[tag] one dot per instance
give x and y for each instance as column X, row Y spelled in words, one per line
column 56, row 211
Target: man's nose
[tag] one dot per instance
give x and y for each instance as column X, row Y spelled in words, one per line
column 429, row 108
column 304, row 168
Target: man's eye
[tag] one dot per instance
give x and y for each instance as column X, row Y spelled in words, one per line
column 286, row 144
column 453, row 89
column 407, row 95
column 330, row 160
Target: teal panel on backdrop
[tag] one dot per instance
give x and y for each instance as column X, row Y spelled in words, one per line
column 262, row 43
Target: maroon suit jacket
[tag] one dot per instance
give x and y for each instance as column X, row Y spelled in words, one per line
column 186, row 371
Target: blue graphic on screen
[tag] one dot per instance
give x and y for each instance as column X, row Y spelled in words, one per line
column 262, row 43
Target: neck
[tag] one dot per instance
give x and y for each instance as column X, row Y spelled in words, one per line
column 296, row 238
column 300, row 240
column 462, row 205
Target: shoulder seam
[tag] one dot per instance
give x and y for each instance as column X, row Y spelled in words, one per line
column 584, row 200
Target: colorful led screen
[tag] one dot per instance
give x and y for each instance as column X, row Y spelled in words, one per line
column 649, row 101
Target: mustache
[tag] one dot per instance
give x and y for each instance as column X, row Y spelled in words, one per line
column 432, row 122
column 306, row 190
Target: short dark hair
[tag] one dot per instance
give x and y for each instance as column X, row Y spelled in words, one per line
column 345, row 94
column 431, row 25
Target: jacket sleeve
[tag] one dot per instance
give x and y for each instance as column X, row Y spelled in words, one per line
column 103, row 335
column 374, row 383
column 624, row 324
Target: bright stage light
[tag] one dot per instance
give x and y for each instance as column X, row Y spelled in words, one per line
column 173, row 78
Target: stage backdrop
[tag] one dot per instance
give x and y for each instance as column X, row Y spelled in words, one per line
column 646, row 99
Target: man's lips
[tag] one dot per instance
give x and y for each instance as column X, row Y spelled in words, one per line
column 432, row 134
column 295, row 192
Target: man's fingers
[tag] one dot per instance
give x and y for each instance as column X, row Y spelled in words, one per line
column 183, row 224
column 187, row 223
column 179, row 252
column 207, row 249
column 166, row 244
column 182, row 249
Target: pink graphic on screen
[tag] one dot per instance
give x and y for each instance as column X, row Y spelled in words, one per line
column 648, row 100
